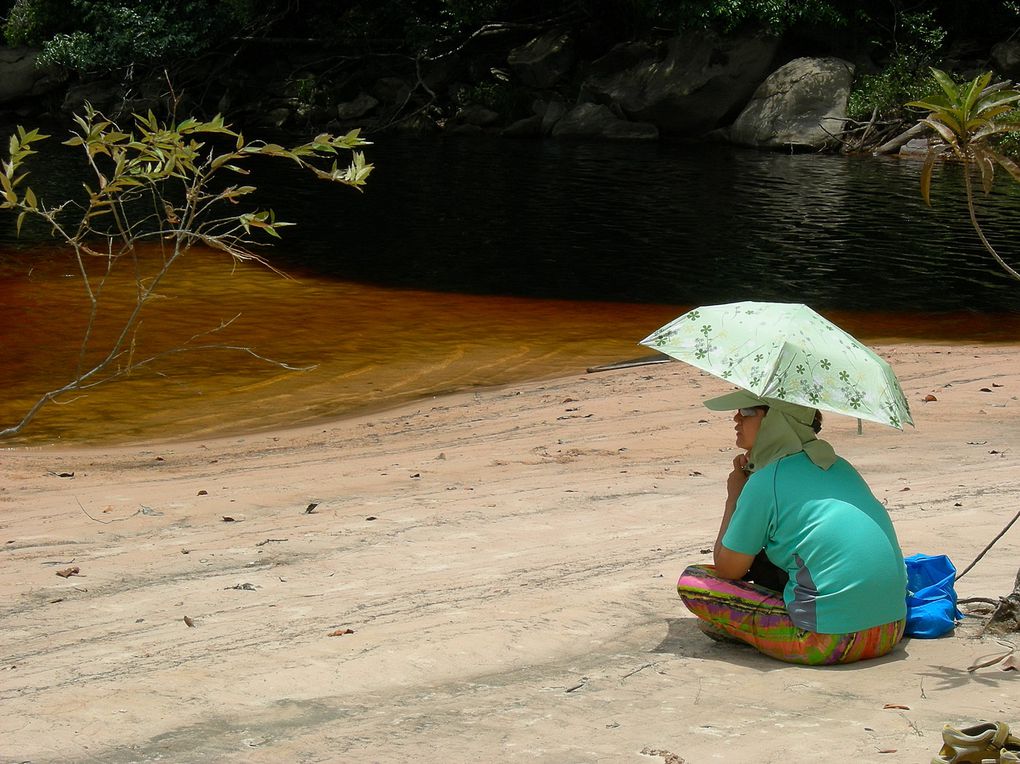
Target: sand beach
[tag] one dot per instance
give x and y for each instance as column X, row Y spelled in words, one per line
column 482, row 576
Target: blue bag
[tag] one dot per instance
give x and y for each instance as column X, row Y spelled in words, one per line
column 931, row 598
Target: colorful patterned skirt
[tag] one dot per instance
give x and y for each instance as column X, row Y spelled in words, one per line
column 758, row 616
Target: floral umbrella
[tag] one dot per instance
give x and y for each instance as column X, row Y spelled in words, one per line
column 788, row 352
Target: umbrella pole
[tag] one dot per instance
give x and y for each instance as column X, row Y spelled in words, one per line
column 860, row 426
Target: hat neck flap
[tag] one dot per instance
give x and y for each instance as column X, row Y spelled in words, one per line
column 786, row 429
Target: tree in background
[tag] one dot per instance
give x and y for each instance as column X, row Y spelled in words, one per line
column 333, row 47
column 163, row 185
column 104, row 35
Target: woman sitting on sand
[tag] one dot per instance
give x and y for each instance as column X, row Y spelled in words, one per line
column 840, row 592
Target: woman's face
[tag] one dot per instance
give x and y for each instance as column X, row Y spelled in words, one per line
column 748, row 425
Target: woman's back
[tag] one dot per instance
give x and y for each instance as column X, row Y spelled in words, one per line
column 833, row 537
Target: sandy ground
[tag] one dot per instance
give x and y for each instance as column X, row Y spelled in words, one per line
column 505, row 562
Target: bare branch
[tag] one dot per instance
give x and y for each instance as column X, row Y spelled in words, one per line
column 902, row 139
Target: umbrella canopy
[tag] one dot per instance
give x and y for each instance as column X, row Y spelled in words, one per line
column 787, row 352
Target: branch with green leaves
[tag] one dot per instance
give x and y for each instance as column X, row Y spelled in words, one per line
column 157, row 182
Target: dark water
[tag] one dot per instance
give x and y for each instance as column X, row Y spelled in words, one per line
column 477, row 262
column 660, row 223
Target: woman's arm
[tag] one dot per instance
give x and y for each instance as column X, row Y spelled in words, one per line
column 730, row 564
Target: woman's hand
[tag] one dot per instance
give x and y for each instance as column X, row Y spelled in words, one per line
column 737, row 478
column 730, row 564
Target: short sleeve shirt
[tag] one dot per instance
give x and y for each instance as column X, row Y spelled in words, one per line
column 831, row 535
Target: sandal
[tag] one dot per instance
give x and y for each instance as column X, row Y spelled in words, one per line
column 987, row 742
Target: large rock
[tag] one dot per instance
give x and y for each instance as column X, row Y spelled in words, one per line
column 391, row 91
column 801, row 105
column 590, row 120
column 686, row 86
column 542, row 62
column 1006, row 57
column 529, row 127
column 476, row 114
column 463, row 129
column 106, row 95
column 356, row 109
column 552, row 112
column 418, row 124
column 20, row 77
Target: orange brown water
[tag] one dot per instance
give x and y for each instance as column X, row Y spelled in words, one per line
column 370, row 346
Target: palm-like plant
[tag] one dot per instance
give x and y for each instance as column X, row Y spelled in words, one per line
column 964, row 119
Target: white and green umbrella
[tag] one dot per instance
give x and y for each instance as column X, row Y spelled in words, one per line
column 787, row 352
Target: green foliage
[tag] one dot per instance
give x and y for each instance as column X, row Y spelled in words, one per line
column 497, row 95
column 919, row 32
column 117, row 35
column 1009, row 142
column 19, row 149
column 106, row 34
column 101, row 35
column 164, row 183
column 886, row 91
column 774, row 15
column 32, row 22
column 965, row 119
column 459, row 14
column 890, row 23
column 307, row 90
column 916, row 38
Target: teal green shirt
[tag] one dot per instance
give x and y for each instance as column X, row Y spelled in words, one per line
column 833, row 537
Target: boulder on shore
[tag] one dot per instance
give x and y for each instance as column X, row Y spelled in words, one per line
column 687, row 86
column 542, row 62
column 801, row 105
column 21, row 78
column 589, row 120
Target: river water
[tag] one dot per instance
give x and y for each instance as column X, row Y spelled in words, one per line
column 475, row 262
